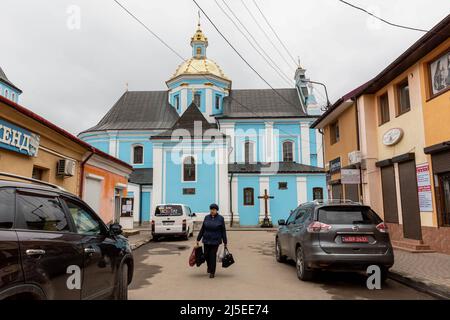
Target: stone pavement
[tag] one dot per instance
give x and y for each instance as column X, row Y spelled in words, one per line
column 144, row 236
column 429, row 272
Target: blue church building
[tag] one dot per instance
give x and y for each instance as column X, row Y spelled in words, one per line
column 200, row 141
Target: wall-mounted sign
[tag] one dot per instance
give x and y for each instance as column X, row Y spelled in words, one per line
column 440, row 74
column 392, row 136
column 127, row 207
column 354, row 157
column 350, row 176
column 335, row 165
column 424, row 187
column 17, row 139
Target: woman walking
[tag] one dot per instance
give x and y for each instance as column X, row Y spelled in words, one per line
column 213, row 232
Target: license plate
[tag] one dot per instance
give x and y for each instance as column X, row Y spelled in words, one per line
column 168, row 222
column 355, row 239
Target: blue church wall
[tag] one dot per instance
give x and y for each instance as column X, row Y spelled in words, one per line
column 248, row 215
column 200, row 80
column 205, row 185
column 313, row 147
column 126, row 150
column 101, row 145
column 284, row 200
column 221, row 95
column 316, row 181
column 287, row 132
column 146, row 206
column 253, row 132
column 8, row 91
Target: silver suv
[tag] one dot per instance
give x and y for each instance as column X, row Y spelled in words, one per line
column 334, row 235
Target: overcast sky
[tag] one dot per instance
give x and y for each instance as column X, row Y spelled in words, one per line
column 72, row 76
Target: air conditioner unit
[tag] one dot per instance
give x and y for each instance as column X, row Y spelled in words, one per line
column 354, row 157
column 65, row 168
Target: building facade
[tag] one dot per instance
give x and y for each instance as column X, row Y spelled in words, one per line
column 8, row 89
column 399, row 118
column 262, row 143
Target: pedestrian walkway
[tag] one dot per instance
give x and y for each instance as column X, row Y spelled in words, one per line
column 426, row 271
column 143, row 237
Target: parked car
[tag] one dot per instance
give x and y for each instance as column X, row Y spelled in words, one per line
column 172, row 220
column 334, row 235
column 54, row 246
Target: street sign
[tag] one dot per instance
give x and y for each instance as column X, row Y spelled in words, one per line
column 350, row 176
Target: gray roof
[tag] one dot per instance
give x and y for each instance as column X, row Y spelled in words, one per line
column 5, row 79
column 142, row 176
column 262, row 103
column 139, row 110
column 275, row 167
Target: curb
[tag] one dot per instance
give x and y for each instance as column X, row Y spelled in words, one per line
column 419, row 285
column 140, row 243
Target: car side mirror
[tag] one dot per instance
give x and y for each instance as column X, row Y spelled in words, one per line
column 281, row 222
column 115, row 229
column 193, row 215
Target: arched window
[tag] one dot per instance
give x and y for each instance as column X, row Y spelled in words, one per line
column 288, row 151
column 199, row 51
column 138, row 154
column 317, row 193
column 249, row 197
column 249, row 154
column 197, row 99
column 189, row 169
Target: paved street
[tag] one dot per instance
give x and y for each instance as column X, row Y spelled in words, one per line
column 162, row 272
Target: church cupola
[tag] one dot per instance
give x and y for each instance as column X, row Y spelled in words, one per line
column 199, row 43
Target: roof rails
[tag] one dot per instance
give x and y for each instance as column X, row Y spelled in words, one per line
column 335, row 201
column 15, row 176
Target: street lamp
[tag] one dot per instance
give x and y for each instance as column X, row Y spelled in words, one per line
column 321, row 84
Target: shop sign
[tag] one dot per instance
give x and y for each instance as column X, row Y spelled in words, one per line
column 335, row 165
column 392, row 136
column 424, row 187
column 17, row 139
column 127, row 207
column 350, row 176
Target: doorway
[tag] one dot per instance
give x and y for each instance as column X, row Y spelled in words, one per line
column 445, row 196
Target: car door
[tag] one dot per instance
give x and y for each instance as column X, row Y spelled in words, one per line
column 190, row 219
column 298, row 233
column 51, row 253
column 283, row 232
column 102, row 257
column 10, row 267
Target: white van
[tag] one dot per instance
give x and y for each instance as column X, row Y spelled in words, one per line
column 172, row 220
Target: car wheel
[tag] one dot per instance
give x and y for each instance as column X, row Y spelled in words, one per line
column 303, row 273
column 278, row 255
column 192, row 233
column 155, row 238
column 122, row 287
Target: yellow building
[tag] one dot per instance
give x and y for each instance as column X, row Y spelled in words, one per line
column 400, row 118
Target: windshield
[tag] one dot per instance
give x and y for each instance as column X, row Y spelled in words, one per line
column 168, row 210
column 348, row 215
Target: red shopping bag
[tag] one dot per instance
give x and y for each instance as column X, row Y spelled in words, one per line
column 192, row 258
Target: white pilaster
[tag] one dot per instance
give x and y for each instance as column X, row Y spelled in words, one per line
column 320, row 150
column 223, row 190
column 302, row 190
column 304, row 136
column 263, row 185
column 183, row 99
column 157, row 196
column 113, row 149
column 209, row 105
column 228, row 129
column 235, row 196
column 269, row 143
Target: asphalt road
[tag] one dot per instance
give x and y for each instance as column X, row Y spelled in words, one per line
column 162, row 272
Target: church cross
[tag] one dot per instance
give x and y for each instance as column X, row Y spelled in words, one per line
column 266, row 197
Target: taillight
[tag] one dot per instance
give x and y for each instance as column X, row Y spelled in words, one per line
column 184, row 225
column 153, row 225
column 382, row 227
column 317, row 226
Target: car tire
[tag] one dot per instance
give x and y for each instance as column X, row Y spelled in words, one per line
column 303, row 273
column 155, row 238
column 122, row 287
column 191, row 234
column 278, row 253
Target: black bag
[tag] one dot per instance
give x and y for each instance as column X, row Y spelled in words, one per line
column 228, row 259
column 199, row 256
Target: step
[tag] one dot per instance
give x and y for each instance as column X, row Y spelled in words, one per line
column 414, row 246
column 130, row 232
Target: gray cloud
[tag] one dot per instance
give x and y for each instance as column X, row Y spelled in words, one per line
column 73, row 77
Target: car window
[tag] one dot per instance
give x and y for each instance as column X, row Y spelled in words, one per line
column 168, row 210
column 84, row 219
column 348, row 215
column 43, row 213
column 300, row 216
column 292, row 216
column 7, row 208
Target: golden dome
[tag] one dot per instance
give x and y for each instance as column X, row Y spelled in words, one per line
column 202, row 66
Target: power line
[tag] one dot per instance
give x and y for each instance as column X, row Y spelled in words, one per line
column 254, row 39
column 381, row 19
column 240, row 55
column 251, row 43
column 265, row 34
column 275, row 33
column 203, row 75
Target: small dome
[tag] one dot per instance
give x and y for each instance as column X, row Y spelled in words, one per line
column 203, row 66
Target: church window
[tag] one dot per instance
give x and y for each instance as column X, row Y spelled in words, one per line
column 317, row 193
column 217, row 102
column 138, row 154
column 282, row 185
column 177, row 102
column 189, row 169
column 199, row 51
column 6, row 93
column 197, row 99
column 288, row 151
column 249, row 154
column 249, row 197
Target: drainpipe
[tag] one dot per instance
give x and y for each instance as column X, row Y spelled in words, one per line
column 358, row 144
column 82, row 173
column 231, row 201
column 140, row 205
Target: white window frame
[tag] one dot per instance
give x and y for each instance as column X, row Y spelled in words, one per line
column 132, row 153
column 182, row 168
column 253, row 146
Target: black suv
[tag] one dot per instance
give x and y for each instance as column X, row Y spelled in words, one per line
column 334, row 235
column 53, row 246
